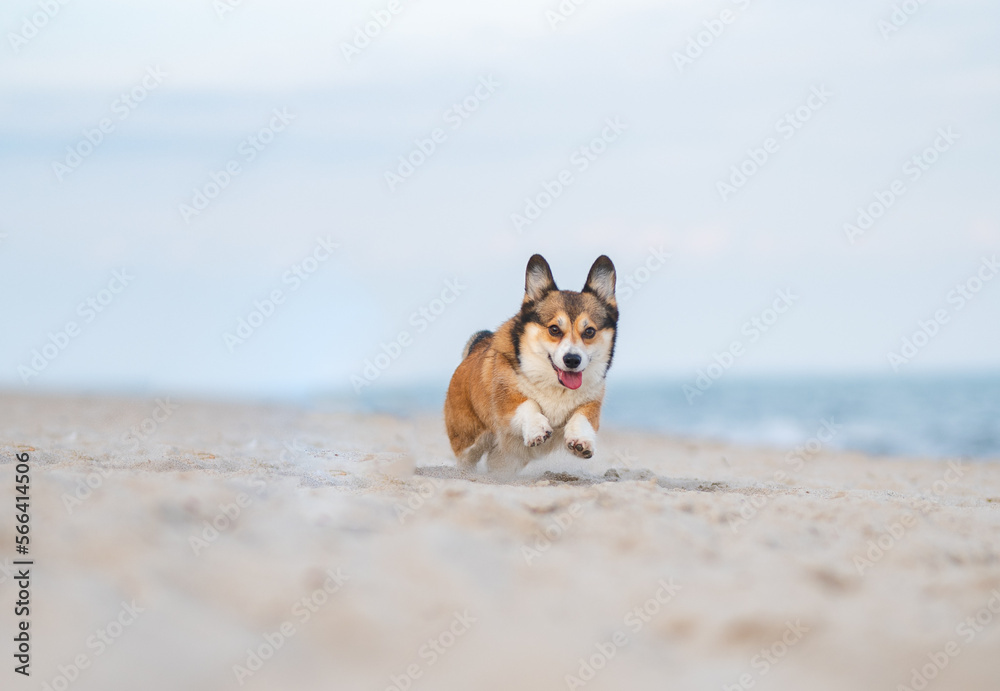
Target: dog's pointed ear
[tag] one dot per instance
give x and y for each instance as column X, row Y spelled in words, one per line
column 601, row 280
column 537, row 279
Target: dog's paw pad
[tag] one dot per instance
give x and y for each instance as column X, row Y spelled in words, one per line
column 537, row 434
column 583, row 448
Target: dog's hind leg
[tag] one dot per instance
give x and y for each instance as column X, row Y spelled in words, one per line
column 508, row 455
column 469, row 458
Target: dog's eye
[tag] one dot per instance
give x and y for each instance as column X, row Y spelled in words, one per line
column 589, row 332
column 554, row 331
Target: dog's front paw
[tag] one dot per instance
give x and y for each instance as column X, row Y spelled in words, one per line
column 583, row 447
column 537, row 431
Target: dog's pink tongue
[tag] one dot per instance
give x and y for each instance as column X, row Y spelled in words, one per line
column 571, row 380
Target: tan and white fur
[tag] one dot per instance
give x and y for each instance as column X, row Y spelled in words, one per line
column 538, row 381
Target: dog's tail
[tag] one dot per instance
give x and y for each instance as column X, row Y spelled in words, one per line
column 477, row 338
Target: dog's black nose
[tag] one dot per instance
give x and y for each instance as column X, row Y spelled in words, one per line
column 572, row 360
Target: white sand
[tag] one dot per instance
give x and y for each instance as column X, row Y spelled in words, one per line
column 333, row 501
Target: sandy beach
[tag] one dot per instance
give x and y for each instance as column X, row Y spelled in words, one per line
column 195, row 545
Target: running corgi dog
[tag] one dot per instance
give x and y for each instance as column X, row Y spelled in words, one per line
column 539, row 377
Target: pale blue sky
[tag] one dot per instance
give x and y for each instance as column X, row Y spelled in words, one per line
column 654, row 185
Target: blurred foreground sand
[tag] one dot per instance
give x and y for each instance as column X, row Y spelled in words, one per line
column 470, row 583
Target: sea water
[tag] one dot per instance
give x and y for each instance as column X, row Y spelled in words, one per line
column 940, row 416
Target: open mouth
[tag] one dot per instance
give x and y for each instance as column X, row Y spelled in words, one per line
column 571, row 380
